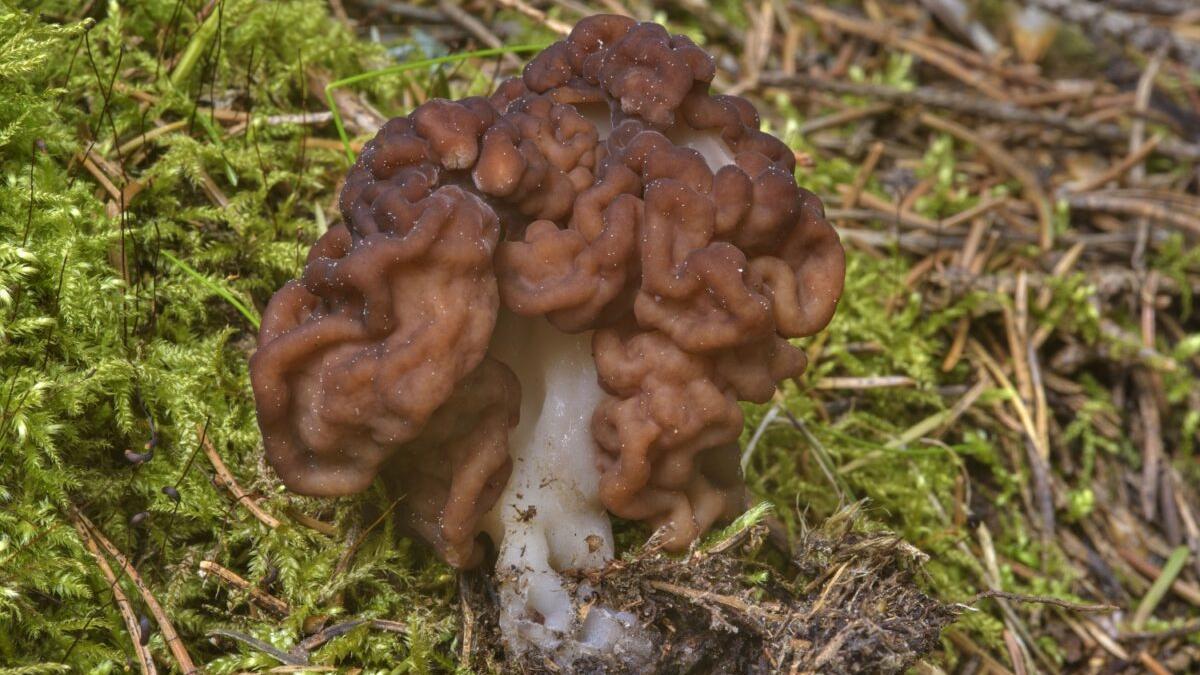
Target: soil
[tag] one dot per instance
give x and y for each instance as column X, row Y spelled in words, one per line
column 841, row 602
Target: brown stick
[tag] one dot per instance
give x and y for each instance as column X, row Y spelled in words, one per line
column 310, row 522
column 1120, row 168
column 863, row 175
column 984, row 207
column 145, row 659
column 174, row 642
column 1132, row 206
column 100, row 177
column 1152, row 664
column 263, row 598
column 143, row 138
column 842, row 117
column 871, row 201
column 227, row 480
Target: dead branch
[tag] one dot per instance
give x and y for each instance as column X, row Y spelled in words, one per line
column 145, row 659
column 227, row 480
column 170, row 636
column 263, row 598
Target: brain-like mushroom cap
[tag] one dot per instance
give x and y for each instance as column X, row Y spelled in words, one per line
column 606, row 190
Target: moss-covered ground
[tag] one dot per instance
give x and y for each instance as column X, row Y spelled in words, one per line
column 167, row 163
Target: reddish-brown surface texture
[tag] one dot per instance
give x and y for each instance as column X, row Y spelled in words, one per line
column 579, row 193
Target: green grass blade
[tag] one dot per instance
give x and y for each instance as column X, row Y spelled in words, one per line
column 217, row 288
column 1160, row 586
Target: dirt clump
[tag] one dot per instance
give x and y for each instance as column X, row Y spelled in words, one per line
column 844, row 602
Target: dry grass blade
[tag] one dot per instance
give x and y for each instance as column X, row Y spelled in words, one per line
column 1043, row 600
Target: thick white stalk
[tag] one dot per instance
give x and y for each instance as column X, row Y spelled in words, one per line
column 549, row 518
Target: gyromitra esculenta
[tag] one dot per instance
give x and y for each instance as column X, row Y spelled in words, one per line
column 543, row 307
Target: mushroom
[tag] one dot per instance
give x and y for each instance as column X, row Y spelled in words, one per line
column 542, row 308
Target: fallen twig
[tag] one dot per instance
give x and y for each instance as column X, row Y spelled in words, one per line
column 842, row 117
column 1120, row 168
column 227, row 480
column 145, row 659
column 1131, row 206
column 174, row 643
column 315, row 524
column 263, row 598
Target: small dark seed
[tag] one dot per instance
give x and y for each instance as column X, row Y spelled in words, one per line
column 171, row 492
column 270, row 577
column 138, row 518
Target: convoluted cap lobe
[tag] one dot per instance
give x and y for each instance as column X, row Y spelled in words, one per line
column 606, row 190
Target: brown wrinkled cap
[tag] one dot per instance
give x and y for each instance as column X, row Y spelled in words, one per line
column 580, row 192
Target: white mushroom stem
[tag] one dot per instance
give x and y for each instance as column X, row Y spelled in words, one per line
column 549, row 518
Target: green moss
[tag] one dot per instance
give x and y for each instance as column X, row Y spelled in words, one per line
column 95, row 363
